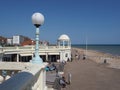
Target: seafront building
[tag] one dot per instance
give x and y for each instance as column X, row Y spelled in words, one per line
column 16, row 60
column 60, row 51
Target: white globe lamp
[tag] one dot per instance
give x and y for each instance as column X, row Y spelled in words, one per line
column 37, row 20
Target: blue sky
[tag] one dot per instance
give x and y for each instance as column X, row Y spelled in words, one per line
column 98, row 20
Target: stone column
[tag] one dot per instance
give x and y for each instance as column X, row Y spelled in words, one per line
column 60, row 55
column 46, row 56
column 63, row 43
column 17, row 57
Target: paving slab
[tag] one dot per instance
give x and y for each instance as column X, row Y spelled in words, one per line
column 88, row 75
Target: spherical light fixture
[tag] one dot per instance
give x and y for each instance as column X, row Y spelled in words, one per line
column 37, row 19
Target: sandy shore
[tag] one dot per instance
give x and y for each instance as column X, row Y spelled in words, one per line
column 98, row 57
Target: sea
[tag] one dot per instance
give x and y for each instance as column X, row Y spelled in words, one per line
column 110, row 49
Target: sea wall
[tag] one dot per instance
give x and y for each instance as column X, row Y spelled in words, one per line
column 98, row 57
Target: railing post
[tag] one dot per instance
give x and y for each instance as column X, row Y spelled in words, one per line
column 41, row 87
column 42, row 81
column 44, row 74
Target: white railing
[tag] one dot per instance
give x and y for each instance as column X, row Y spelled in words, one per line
column 31, row 48
column 31, row 77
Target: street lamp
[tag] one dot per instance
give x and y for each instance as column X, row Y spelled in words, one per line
column 38, row 20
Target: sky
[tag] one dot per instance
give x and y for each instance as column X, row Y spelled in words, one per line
column 98, row 21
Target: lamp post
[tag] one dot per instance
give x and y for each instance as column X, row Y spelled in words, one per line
column 38, row 20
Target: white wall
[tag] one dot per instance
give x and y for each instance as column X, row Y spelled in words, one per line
column 9, row 41
column 16, row 40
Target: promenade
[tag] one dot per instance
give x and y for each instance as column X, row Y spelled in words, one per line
column 89, row 75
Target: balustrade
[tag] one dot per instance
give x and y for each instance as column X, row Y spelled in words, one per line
column 32, row 77
column 28, row 48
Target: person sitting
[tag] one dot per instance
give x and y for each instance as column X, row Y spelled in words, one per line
column 53, row 65
column 84, row 57
column 63, row 82
column 47, row 68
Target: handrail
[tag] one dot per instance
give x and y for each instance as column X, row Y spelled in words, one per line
column 32, row 77
column 20, row 81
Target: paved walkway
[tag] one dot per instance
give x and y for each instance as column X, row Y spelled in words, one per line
column 88, row 75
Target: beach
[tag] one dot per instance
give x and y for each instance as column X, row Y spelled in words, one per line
column 92, row 73
column 98, row 57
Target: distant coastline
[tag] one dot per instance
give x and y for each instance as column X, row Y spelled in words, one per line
column 113, row 49
column 96, row 44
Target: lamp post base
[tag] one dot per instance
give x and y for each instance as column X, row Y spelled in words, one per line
column 37, row 60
